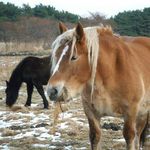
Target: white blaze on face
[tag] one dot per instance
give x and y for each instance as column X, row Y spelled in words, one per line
column 58, row 63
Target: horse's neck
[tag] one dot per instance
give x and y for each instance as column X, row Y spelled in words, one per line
column 112, row 59
column 15, row 80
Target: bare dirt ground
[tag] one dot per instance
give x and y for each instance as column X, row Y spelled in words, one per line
column 32, row 128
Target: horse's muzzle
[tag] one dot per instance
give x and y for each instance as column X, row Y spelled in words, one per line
column 53, row 92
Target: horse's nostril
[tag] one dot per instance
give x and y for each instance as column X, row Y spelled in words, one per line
column 54, row 91
column 53, row 94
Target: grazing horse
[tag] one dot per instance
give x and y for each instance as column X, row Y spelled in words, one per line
column 35, row 72
column 111, row 72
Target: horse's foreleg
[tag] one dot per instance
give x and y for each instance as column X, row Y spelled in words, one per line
column 95, row 133
column 29, row 92
column 129, row 132
column 40, row 89
column 140, row 126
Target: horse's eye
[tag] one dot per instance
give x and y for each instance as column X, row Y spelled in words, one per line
column 73, row 58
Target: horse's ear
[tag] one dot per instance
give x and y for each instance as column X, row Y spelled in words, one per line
column 62, row 27
column 80, row 32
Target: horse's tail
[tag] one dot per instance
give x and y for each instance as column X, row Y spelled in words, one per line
column 144, row 132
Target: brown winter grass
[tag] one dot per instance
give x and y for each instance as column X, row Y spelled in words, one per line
column 8, row 132
column 22, row 46
column 57, row 111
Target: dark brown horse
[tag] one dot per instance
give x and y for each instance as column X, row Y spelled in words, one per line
column 35, row 72
column 111, row 72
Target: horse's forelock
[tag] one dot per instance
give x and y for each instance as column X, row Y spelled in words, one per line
column 61, row 40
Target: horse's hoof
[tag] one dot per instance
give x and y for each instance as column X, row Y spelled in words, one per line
column 26, row 105
column 45, row 107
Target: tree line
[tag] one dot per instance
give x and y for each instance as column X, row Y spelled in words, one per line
column 133, row 23
column 40, row 23
column 10, row 12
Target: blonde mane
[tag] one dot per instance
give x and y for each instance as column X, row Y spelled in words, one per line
column 92, row 41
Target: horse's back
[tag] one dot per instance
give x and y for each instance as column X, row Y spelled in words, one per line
column 36, row 68
column 129, row 79
column 140, row 47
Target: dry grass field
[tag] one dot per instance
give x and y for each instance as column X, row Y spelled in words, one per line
column 32, row 128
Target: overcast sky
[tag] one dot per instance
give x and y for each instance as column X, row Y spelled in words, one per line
column 82, row 7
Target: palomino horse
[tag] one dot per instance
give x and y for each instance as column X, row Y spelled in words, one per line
column 112, row 73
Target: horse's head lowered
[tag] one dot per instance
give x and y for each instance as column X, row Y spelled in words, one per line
column 73, row 61
column 11, row 94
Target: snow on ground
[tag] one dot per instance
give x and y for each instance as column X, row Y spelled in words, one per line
column 8, row 120
column 2, row 88
column 37, row 125
column 20, row 125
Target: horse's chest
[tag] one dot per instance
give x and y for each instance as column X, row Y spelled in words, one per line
column 105, row 104
column 102, row 104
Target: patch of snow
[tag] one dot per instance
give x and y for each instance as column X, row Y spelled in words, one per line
column 43, row 116
column 119, row 140
column 111, row 118
column 39, row 118
column 40, row 145
column 56, row 137
column 18, row 136
column 34, row 120
column 65, row 115
column 34, row 132
column 148, row 136
column 41, row 139
column 14, row 123
column 27, row 134
column 68, row 148
column 76, row 98
column 2, row 113
column 82, row 148
column 53, row 138
column 63, row 125
column 4, row 147
column 77, row 120
column 4, row 124
column 41, row 129
column 34, row 105
column 45, row 135
column 52, row 147
column 26, row 114
column 2, row 88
